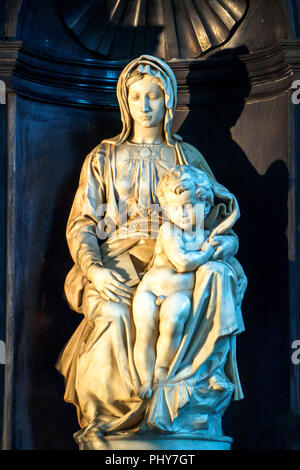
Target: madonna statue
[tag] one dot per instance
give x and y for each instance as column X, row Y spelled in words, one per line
column 112, row 243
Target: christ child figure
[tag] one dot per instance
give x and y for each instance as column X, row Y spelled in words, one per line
column 162, row 301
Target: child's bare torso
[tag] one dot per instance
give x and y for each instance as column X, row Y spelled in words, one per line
column 163, row 279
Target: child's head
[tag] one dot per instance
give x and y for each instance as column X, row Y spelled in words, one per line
column 182, row 191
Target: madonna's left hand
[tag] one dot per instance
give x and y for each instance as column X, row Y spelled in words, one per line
column 227, row 246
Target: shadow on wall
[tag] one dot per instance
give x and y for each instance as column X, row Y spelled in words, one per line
column 263, row 349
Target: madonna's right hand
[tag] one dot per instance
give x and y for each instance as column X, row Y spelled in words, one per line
column 110, row 284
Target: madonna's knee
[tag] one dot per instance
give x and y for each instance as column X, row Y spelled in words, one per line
column 115, row 311
column 91, row 302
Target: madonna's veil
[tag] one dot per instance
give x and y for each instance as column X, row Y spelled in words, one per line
column 147, row 64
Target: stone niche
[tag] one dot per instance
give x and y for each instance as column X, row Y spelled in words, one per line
column 234, row 106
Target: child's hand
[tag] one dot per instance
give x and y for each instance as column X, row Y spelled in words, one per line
column 208, row 247
column 207, row 250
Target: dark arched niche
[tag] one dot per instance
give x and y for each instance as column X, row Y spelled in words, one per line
column 233, row 105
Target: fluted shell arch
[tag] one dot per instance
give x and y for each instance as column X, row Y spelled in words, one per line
column 170, row 29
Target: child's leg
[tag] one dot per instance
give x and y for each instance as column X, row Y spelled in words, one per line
column 173, row 315
column 145, row 315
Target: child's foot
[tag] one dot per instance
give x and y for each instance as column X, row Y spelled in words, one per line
column 160, row 374
column 145, row 390
column 218, row 383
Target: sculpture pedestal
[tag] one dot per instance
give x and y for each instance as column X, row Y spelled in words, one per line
column 151, row 441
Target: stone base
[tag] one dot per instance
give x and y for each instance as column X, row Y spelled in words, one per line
column 152, row 441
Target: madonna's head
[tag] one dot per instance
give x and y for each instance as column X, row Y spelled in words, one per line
column 147, row 93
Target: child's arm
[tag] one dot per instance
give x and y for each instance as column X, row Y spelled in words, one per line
column 182, row 260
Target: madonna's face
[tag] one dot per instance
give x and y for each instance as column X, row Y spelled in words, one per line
column 146, row 102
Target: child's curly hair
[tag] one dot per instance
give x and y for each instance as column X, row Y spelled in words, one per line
column 182, row 178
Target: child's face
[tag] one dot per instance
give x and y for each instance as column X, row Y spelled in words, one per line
column 186, row 210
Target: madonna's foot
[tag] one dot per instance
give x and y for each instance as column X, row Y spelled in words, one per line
column 160, row 374
column 145, row 390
